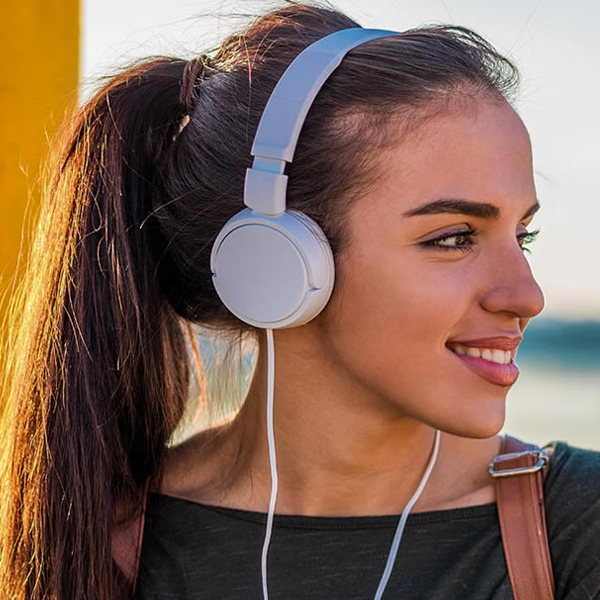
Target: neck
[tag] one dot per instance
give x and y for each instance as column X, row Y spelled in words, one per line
column 338, row 451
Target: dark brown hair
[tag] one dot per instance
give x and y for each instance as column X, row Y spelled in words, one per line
column 98, row 365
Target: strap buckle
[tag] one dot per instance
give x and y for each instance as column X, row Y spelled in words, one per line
column 541, row 462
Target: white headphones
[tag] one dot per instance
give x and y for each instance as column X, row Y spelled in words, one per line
column 273, row 268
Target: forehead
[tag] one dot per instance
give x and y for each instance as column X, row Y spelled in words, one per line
column 482, row 153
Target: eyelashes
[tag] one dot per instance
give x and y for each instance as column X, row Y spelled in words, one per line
column 527, row 238
column 464, row 240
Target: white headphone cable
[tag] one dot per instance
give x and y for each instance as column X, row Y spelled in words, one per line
column 274, row 483
column 272, row 458
column 400, row 529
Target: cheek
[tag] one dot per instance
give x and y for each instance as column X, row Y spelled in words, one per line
column 388, row 335
column 404, row 304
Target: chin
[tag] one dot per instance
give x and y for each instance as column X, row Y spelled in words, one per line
column 484, row 429
column 480, row 424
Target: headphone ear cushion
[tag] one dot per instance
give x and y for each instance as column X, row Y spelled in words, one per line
column 273, row 272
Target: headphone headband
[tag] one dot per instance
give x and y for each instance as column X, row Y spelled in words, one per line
column 286, row 110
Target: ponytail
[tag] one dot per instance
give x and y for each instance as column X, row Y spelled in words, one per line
column 98, row 371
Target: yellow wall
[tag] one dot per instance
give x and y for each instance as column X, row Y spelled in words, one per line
column 39, row 72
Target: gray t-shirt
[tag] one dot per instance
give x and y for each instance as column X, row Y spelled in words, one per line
column 193, row 551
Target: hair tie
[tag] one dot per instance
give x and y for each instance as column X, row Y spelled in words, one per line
column 193, row 74
column 182, row 126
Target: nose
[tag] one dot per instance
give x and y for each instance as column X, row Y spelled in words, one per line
column 511, row 286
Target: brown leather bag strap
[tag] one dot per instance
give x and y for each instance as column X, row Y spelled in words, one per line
column 127, row 544
column 519, row 474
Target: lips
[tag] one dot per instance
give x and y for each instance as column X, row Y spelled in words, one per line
column 494, row 372
column 499, row 342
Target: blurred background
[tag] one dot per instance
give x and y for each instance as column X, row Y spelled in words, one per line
column 52, row 54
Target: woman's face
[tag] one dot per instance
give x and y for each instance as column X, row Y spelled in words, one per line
column 436, row 268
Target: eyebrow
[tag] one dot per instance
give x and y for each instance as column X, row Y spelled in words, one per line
column 483, row 210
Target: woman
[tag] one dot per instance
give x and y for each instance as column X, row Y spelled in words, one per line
column 417, row 168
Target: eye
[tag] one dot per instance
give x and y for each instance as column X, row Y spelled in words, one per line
column 457, row 240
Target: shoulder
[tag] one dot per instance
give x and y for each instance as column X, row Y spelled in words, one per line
column 189, row 478
column 572, row 491
column 572, row 500
column 194, row 468
column 573, row 481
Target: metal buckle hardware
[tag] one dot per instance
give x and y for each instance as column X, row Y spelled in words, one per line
column 542, row 461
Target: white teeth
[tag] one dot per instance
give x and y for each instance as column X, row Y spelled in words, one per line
column 502, row 357
column 497, row 356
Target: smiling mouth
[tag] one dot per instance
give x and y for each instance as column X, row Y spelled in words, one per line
column 492, row 364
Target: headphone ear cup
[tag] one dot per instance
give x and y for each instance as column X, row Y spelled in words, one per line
column 273, row 272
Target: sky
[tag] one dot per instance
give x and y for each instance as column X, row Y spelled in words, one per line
column 554, row 43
